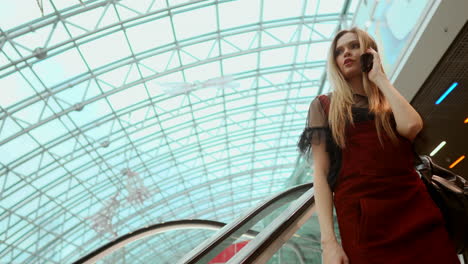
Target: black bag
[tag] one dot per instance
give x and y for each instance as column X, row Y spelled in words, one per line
column 450, row 192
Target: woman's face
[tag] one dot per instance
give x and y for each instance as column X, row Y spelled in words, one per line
column 347, row 48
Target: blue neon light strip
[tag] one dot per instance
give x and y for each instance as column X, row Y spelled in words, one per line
column 446, row 93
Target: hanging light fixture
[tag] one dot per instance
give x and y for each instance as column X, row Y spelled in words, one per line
column 177, row 88
column 102, row 220
column 137, row 192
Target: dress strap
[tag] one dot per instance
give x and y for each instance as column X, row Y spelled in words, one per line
column 325, row 101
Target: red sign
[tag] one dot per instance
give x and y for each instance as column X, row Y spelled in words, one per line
column 228, row 253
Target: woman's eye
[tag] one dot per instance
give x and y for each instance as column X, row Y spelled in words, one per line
column 356, row 45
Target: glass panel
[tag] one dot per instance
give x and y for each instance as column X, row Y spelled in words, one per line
column 128, row 97
column 13, row 14
column 183, row 23
column 257, row 221
column 167, row 246
column 9, row 127
column 159, row 36
column 274, row 57
column 98, row 53
column 90, row 112
column 17, row 147
column 325, row 7
column 64, row 66
column 48, row 132
column 228, row 11
column 282, row 9
column 18, row 89
column 304, row 246
column 246, row 62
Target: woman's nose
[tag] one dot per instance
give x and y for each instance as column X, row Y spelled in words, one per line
column 346, row 52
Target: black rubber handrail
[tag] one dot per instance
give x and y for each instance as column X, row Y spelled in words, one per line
column 266, row 243
column 151, row 230
column 262, row 210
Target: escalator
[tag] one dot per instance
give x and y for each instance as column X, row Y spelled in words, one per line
column 274, row 223
column 285, row 212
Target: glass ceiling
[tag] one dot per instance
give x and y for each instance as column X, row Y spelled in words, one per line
column 116, row 114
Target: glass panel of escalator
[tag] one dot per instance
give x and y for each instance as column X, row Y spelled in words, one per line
column 168, row 247
column 304, row 246
column 232, row 244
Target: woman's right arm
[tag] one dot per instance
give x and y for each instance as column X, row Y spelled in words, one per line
column 323, row 194
column 313, row 142
column 332, row 252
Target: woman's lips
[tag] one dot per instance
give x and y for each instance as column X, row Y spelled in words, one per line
column 349, row 63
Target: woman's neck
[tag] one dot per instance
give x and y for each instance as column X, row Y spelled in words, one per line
column 356, row 85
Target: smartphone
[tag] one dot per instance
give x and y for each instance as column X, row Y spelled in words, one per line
column 366, row 62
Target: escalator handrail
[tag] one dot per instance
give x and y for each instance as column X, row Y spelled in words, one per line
column 208, row 245
column 120, row 242
column 269, row 240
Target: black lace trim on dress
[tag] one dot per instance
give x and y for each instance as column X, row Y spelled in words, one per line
column 316, row 135
column 311, row 135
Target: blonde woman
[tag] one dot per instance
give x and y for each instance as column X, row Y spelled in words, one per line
column 360, row 138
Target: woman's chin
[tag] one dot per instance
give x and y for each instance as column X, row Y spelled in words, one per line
column 352, row 74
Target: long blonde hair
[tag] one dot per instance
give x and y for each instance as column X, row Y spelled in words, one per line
column 340, row 108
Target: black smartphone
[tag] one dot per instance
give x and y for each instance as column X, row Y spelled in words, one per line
column 367, row 60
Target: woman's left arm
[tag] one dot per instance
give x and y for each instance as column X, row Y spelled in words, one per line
column 408, row 121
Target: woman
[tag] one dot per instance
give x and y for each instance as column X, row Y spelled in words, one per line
column 360, row 137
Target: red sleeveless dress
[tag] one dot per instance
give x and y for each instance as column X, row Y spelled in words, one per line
column 384, row 212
